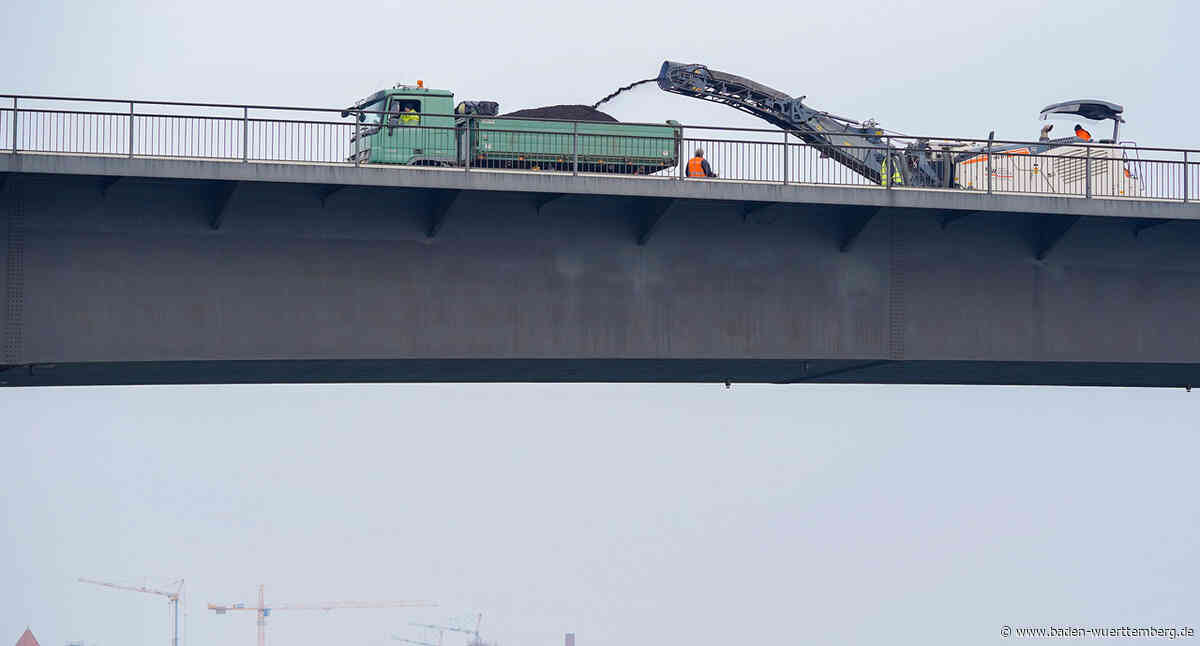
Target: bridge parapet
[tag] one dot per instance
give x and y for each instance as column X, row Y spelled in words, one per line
column 332, row 136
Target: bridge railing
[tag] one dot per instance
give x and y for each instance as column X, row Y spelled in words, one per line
column 259, row 133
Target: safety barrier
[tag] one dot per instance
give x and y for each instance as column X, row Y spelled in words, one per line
column 256, row 133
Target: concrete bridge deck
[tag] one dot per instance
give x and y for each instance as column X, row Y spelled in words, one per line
column 144, row 270
column 517, row 181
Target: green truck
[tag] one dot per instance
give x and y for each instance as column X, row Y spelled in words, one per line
column 419, row 126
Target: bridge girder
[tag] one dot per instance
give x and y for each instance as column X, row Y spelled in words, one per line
column 288, row 293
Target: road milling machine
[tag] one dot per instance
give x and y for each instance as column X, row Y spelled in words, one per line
column 1072, row 165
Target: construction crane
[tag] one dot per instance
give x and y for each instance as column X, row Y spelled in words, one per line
column 473, row 632
column 417, row 642
column 172, row 596
column 262, row 610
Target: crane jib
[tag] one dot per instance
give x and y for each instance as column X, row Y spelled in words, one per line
column 860, row 147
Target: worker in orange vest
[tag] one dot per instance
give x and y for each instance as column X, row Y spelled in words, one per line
column 1082, row 134
column 698, row 166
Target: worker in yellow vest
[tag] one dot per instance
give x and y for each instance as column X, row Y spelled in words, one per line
column 896, row 178
column 698, row 166
column 409, row 117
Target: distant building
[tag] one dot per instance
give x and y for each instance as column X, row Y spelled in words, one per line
column 27, row 639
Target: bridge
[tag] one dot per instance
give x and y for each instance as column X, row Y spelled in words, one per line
column 156, row 242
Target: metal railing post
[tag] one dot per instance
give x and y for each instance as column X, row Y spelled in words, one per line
column 357, row 133
column 679, row 154
column 14, row 128
column 885, row 172
column 785, row 158
column 245, row 134
column 131, row 129
column 989, row 163
column 1087, row 170
column 574, row 147
column 1185, row 176
column 467, row 147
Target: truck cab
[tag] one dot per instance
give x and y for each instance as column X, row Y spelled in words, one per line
column 406, row 124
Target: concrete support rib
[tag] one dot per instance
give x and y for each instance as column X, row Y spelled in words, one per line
column 328, row 192
column 953, row 216
column 852, row 225
column 651, row 213
column 750, row 208
column 1049, row 232
column 222, row 196
column 439, row 206
column 106, row 185
column 541, row 200
column 1142, row 225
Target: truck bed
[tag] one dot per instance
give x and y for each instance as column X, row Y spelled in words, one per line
column 552, row 145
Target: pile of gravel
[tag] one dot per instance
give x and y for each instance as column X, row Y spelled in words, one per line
column 566, row 112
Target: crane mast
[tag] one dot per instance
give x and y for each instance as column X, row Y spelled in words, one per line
column 861, row 147
column 172, row 596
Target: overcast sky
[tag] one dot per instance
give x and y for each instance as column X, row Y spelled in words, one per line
column 634, row 515
column 937, row 67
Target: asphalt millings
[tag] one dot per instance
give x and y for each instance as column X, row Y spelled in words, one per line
column 565, row 112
